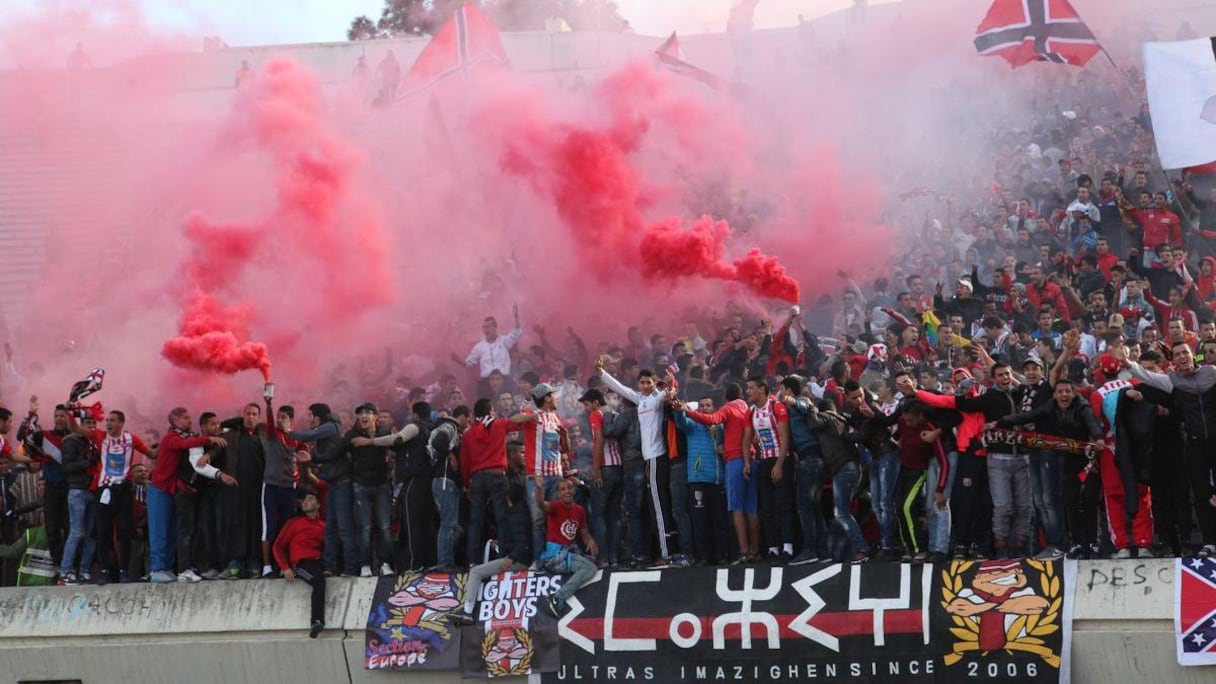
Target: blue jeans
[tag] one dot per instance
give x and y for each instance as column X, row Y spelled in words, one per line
column 844, row 488
column 678, row 484
column 447, row 500
column 538, row 515
column 569, row 561
column 884, row 476
column 375, row 499
column 340, row 528
column 635, row 488
column 1046, row 489
column 162, row 539
column 485, row 486
column 809, row 483
column 81, row 506
column 939, row 518
column 605, row 520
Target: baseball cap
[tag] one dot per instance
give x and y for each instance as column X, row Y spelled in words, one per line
column 366, row 406
column 541, row 391
column 965, row 282
column 1110, row 365
column 1032, row 359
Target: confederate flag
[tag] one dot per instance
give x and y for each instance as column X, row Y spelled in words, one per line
column 1025, row 31
column 1195, row 611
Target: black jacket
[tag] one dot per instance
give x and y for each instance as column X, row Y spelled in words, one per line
column 624, row 427
column 444, row 442
column 77, row 454
column 1075, row 422
column 324, row 437
column 368, row 464
column 874, row 433
column 834, row 447
column 410, row 459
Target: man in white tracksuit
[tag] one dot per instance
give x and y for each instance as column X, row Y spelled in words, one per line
column 653, row 420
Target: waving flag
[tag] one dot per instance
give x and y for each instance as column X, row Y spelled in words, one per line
column 467, row 43
column 669, row 56
column 1195, row 611
column 1025, row 31
column 1181, row 81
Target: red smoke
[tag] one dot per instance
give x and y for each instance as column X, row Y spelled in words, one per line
column 599, row 194
column 320, row 236
column 669, row 251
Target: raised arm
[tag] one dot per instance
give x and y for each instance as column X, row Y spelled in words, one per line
column 616, row 385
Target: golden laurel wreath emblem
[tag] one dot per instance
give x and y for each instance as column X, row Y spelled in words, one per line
column 503, row 668
column 1025, row 633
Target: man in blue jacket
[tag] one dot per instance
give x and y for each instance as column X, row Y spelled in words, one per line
column 809, row 475
column 707, row 498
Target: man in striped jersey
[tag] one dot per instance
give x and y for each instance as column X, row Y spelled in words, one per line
column 545, row 441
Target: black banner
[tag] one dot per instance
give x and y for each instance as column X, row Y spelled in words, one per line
column 407, row 626
column 959, row 621
column 514, row 635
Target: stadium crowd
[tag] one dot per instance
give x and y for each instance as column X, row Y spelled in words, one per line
column 1035, row 374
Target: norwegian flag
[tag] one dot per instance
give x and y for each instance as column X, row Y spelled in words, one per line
column 668, row 54
column 1195, row 611
column 468, row 42
column 1025, row 31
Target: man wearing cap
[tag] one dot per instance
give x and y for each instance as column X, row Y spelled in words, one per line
column 545, row 441
column 607, row 481
column 372, row 492
column 1044, row 467
column 963, row 303
column 412, row 471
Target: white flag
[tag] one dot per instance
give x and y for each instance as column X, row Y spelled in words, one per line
column 1181, row 80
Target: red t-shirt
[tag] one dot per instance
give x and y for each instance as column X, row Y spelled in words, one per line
column 565, row 522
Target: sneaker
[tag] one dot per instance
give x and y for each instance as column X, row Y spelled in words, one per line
column 960, row 553
column 317, row 626
column 1050, row 553
column 232, row 573
column 162, row 577
column 211, row 574
column 859, row 558
column 804, row 558
column 1206, row 551
column 935, row 558
column 123, row 577
column 365, row 571
column 1076, row 551
column 556, row 607
column 1123, row 553
column 103, row 578
column 385, row 570
column 68, row 580
column 461, row 617
column 267, row 572
column 328, row 573
column 681, row 561
column 189, row 575
column 920, row 558
column 742, row 559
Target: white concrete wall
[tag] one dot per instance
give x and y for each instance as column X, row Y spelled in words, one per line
column 255, row 631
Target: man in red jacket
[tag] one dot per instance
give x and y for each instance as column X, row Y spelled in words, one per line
column 297, row 550
column 483, row 465
column 162, row 527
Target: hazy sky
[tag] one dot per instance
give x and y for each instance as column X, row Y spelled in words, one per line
column 303, row 21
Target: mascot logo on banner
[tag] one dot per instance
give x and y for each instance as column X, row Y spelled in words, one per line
column 420, row 604
column 995, row 606
column 507, row 651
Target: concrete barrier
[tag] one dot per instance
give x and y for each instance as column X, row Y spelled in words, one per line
column 255, row 631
